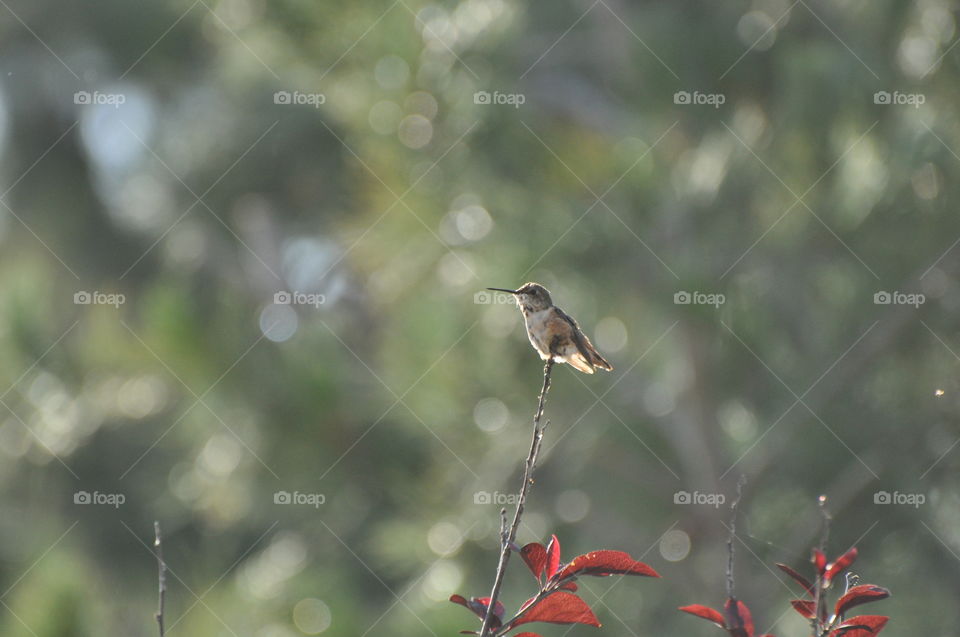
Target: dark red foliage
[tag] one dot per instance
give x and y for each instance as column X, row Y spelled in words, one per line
column 553, row 556
column 737, row 620
column 535, row 557
column 707, row 613
column 862, row 626
column 602, row 563
column 558, row 607
column 827, row 572
column 860, row 595
column 804, row 606
column 479, row 606
column 803, row 581
column 555, row 601
column 841, row 564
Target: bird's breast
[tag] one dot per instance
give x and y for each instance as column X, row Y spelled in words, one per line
column 538, row 329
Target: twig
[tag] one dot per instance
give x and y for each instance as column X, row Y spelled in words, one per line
column 818, row 593
column 733, row 533
column 162, row 576
column 506, row 540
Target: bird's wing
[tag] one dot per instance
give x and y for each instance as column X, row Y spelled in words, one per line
column 579, row 339
column 584, row 346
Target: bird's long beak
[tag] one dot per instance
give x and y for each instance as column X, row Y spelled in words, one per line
column 503, row 290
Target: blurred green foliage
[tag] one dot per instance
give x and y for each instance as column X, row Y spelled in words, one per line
column 221, row 179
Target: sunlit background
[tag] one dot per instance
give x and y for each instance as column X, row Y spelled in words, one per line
column 243, row 247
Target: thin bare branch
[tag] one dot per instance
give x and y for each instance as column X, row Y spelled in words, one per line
column 162, row 575
column 507, row 540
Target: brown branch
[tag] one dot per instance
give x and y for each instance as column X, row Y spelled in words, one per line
column 733, row 534
column 507, row 538
column 162, row 576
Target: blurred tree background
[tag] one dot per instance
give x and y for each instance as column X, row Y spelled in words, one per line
column 386, row 162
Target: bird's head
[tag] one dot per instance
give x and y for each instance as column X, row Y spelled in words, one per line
column 532, row 297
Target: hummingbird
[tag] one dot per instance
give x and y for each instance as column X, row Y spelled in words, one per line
column 553, row 332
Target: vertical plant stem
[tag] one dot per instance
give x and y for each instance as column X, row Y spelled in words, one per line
column 162, row 576
column 818, row 628
column 507, row 538
column 733, row 534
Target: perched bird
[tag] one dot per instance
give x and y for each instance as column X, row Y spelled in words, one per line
column 553, row 332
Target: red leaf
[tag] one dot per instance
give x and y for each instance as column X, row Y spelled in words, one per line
column 553, row 556
column 479, row 607
column 535, row 557
column 803, row 581
column 841, row 564
column 559, row 608
column 804, row 606
column 569, row 586
column 602, row 563
column 819, row 560
column 706, row 613
column 861, row 626
column 860, row 595
column 740, row 623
